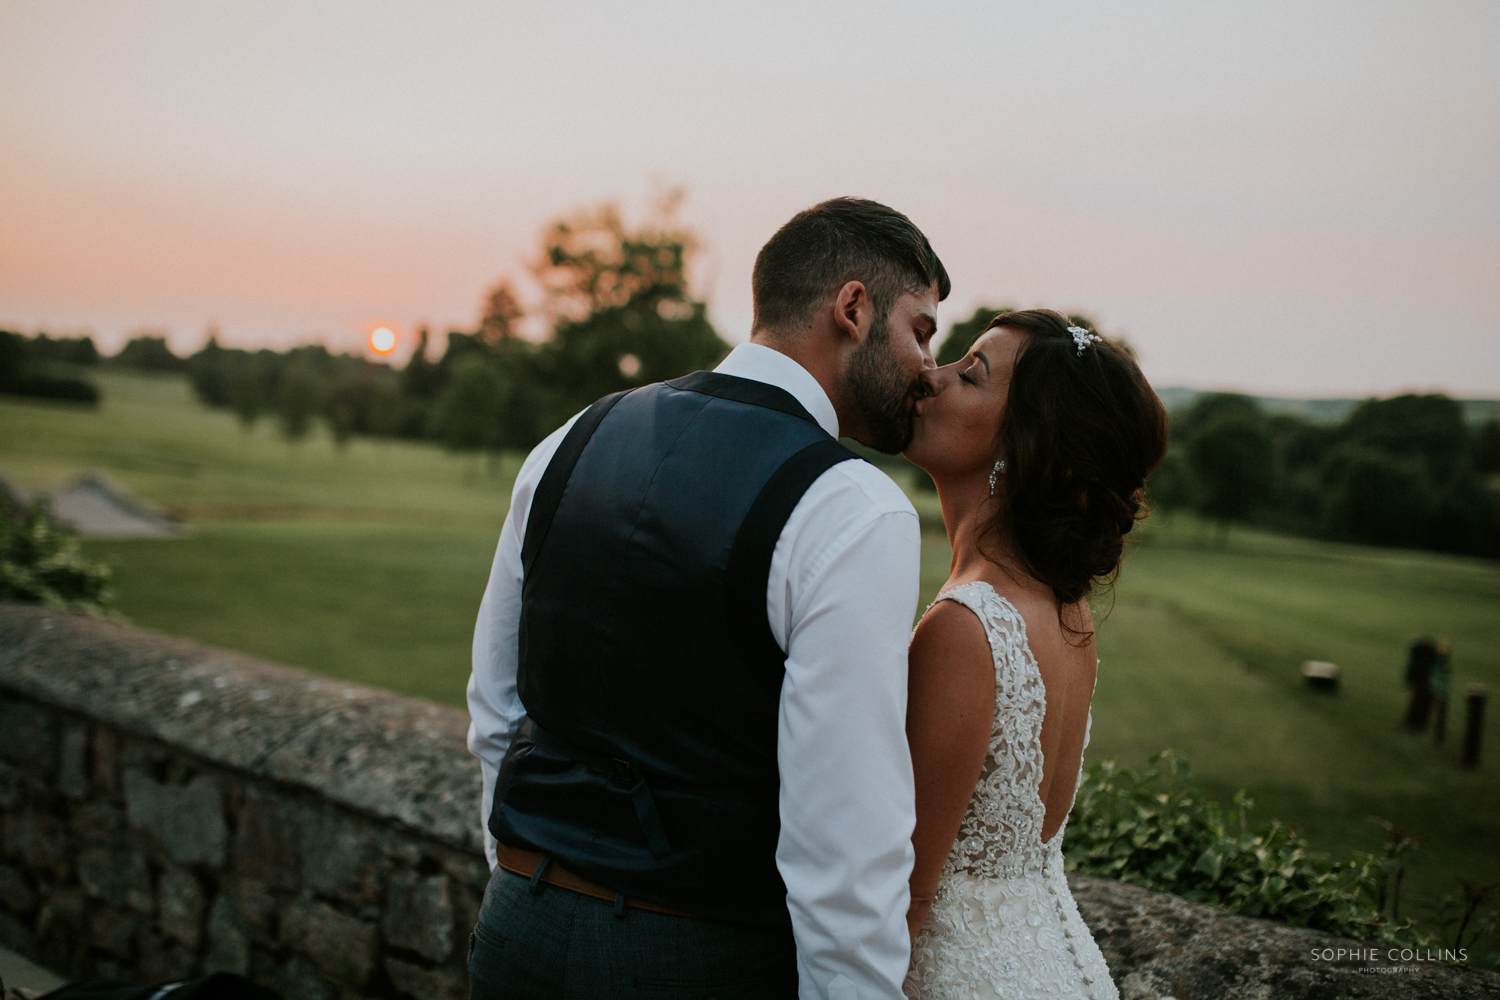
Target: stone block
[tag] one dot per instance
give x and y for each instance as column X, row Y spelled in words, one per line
column 465, row 909
column 159, row 960
column 341, row 946
column 228, row 946
column 256, row 908
column 15, row 935
column 104, row 767
column 427, row 984
column 62, row 933
column 38, row 841
column 180, row 902
column 114, row 931
column 72, row 777
column 98, row 823
column 122, row 880
column 31, row 736
column 296, row 979
column 419, row 915
column 265, row 839
column 1159, row 945
column 467, row 869
column 402, row 849
column 16, row 893
column 10, row 787
column 187, row 820
column 142, row 756
column 341, row 856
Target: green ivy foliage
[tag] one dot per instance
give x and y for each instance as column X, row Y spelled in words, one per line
column 1154, row 829
column 40, row 563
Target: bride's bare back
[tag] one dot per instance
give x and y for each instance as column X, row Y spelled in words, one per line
column 951, row 707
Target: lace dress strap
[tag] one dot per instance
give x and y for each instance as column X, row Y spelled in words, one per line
column 1000, row 836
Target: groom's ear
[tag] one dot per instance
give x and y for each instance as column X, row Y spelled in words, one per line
column 853, row 311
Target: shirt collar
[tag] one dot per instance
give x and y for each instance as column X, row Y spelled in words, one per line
column 765, row 364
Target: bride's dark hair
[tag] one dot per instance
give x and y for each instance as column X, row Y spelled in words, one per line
column 1081, row 430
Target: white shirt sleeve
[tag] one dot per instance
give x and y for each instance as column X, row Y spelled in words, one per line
column 495, row 709
column 840, row 600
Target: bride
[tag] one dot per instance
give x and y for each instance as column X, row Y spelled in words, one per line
column 1039, row 441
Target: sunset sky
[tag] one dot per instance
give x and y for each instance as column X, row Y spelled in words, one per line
column 1287, row 198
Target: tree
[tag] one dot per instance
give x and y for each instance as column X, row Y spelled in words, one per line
column 961, row 335
column 1487, row 448
column 1211, row 408
column 470, row 413
column 621, row 308
column 245, row 389
column 1376, row 498
column 388, row 407
column 1170, row 487
column 302, row 396
column 65, row 350
column 208, row 370
column 1232, row 466
column 149, row 353
column 502, row 313
column 1427, row 428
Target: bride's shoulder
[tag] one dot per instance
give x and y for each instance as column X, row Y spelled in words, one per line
column 950, row 644
column 955, row 619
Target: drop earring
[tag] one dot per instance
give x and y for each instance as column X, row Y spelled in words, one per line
column 995, row 474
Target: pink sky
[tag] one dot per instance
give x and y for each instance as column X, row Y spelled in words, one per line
column 1289, row 198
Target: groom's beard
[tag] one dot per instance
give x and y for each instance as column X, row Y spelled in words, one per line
column 881, row 392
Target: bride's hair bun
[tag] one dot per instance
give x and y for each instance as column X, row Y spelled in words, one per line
column 1082, row 429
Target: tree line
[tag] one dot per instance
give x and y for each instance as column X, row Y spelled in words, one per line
column 616, row 303
column 1406, row 471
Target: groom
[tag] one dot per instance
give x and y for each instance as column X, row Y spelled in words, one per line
column 689, row 686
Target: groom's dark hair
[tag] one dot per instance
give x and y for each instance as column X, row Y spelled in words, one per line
column 842, row 240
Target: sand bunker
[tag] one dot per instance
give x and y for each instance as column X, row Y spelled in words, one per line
column 95, row 507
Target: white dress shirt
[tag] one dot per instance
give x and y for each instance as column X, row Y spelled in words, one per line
column 840, row 600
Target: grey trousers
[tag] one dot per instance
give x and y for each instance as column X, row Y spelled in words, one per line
column 556, row 943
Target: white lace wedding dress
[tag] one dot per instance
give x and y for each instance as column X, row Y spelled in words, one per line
column 1004, row 923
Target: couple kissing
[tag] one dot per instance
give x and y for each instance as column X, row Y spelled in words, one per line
column 717, row 760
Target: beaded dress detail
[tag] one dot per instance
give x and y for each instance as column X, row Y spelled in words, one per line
column 1003, row 923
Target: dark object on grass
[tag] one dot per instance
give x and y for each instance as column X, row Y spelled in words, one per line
column 1475, row 695
column 1420, row 656
column 1320, row 676
column 219, row 986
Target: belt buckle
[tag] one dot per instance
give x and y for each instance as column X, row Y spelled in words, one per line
column 626, row 771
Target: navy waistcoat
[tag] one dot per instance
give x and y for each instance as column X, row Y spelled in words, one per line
column 649, row 675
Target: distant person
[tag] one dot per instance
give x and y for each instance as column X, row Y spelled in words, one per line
column 1439, row 679
column 1039, row 441
column 690, row 667
column 1421, row 655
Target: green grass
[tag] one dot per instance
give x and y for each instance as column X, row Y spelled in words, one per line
column 391, row 605
column 368, row 564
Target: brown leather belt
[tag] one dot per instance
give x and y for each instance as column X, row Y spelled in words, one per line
column 524, row 863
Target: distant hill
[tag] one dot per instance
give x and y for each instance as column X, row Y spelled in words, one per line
column 1476, row 411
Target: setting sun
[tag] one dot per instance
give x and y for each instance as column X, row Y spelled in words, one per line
column 382, row 340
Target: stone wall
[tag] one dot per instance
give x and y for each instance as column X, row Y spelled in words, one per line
column 168, row 809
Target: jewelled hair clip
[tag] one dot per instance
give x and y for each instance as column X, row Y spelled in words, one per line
column 1084, row 338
